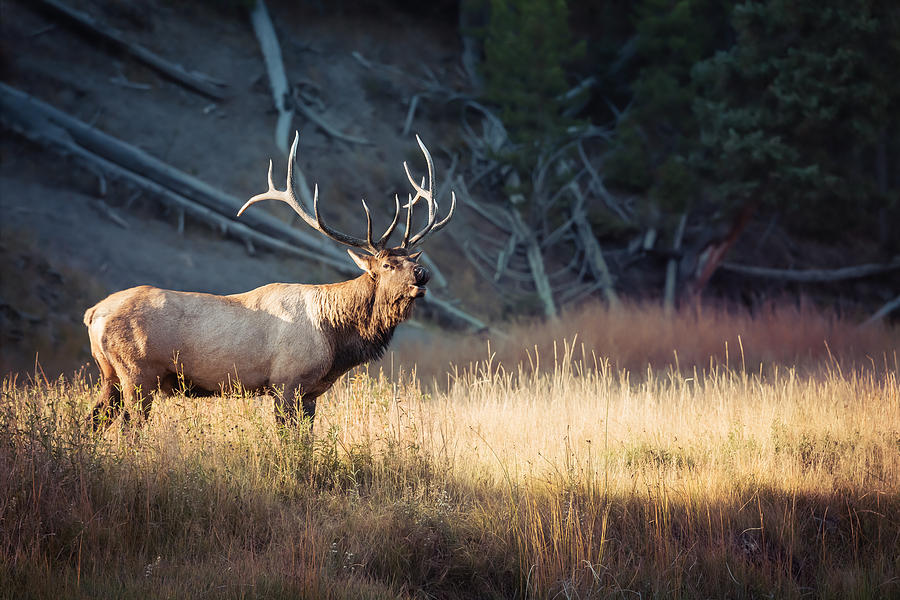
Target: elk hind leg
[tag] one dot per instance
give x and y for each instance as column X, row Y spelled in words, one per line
column 110, row 403
column 138, row 389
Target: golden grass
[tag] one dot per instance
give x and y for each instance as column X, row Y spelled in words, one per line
column 638, row 335
column 574, row 480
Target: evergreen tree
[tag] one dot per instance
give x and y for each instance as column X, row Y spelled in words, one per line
column 527, row 46
column 660, row 127
column 802, row 112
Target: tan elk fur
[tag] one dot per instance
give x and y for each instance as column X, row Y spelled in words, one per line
column 292, row 339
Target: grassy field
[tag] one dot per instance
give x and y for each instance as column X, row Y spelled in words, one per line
column 564, row 471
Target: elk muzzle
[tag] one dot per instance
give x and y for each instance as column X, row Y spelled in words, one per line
column 422, row 276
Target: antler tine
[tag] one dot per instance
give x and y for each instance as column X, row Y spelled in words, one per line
column 384, row 238
column 336, row 235
column 428, row 195
column 409, row 210
column 287, row 196
column 440, row 224
column 372, row 248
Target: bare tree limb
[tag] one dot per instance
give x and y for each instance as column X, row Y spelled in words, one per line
column 281, row 90
column 135, row 159
column 499, row 220
column 593, row 252
column 884, row 311
column 410, row 114
column 327, row 127
column 536, row 262
column 814, row 275
column 672, row 268
column 107, row 211
column 598, row 186
column 97, row 31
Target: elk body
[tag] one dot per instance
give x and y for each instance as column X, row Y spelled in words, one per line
column 294, row 340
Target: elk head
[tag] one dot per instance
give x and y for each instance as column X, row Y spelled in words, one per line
column 398, row 277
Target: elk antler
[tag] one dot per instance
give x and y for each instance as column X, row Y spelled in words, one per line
column 428, row 196
column 287, row 196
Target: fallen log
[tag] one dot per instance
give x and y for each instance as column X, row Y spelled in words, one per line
column 97, row 31
column 142, row 163
column 884, row 311
column 56, row 139
column 268, row 43
column 814, row 275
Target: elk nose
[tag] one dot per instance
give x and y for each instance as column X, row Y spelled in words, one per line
column 421, row 274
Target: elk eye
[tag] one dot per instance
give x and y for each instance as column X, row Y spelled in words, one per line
column 386, row 266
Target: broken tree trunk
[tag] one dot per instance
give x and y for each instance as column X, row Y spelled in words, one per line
column 58, row 140
column 197, row 82
column 140, row 162
column 815, row 275
column 592, row 250
column 712, row 256
column 672, row 268
column 536, row 263
column 281, row 94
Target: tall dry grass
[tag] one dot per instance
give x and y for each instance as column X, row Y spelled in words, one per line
column 574, row 480
column 642, row 334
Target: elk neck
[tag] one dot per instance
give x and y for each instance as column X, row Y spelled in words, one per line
column 361, row 317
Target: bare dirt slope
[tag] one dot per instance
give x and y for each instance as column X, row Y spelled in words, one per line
column 49, row 203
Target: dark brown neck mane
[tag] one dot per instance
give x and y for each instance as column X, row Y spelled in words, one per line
column 362, row 319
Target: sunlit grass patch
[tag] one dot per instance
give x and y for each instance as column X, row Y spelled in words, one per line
column 575, row 479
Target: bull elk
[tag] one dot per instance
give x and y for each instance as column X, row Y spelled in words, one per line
column 292, row 339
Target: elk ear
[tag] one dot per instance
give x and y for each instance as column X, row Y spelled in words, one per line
column 363, row 262
column 415, row 255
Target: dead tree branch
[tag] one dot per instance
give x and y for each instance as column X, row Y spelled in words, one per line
column 281, row 90
column 884, row 311
column 536, row 262
column 814, row 275
column 97, row 31
column 672, row 268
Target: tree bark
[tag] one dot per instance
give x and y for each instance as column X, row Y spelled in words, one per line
column 203, row 84
column 268, row 43
column 814, row 275
column 140, row 162
column 714, row 253
column 672, row 268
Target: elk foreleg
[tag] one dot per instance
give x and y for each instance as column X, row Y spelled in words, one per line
column 286, row 406
column 308, row 403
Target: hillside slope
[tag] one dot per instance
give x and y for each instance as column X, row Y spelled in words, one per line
column 52, row 215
